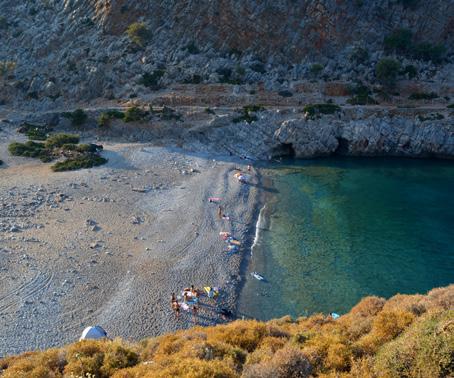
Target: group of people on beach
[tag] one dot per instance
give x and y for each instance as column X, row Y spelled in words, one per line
column 190, row 297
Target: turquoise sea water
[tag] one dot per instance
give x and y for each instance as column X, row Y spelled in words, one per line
column 337, row 230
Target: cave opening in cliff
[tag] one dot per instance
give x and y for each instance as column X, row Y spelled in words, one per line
column 284, row 150
column 342, row 146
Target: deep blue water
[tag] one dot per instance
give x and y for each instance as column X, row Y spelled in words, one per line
column 337, row 230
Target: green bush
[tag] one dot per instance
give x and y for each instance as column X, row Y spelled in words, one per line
column 168, row 114
column 194, row 79
column 314, row 111
column 7, row 67
column 77, row 117
column 105, row 117
column 227, row 76
column 450, row 106
column 151, row 80
column 399, row 41
column 410, row 71
column 138, row 33
column 81, row 148
column 423, row 96
column 428, row 52
column 4, row 24
column 34, row 132
column 359, row 55
column 316, row 69
column 247, row 114
column 59, row 140
column 79, row 162
column 285, row 93
column 192, row 48
column 361, row 95
column 387, row 71
column 134, row 114
column 103, row 120
column 431, row 117
column 258, row 67
column 30, row 149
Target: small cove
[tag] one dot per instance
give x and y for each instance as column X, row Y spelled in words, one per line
column 339, row 229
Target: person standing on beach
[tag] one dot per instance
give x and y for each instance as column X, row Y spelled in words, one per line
column 220, row 212
column 176, row 308
column 194, row 314
column 175, row 305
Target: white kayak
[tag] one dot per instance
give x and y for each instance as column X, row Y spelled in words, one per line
column 257, row 276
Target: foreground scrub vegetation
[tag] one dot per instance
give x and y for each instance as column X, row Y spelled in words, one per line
column 405, row 336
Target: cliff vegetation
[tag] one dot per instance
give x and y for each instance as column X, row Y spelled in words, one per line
column 405, row 336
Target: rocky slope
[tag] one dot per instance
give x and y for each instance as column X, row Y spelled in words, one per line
column 54, row 52
column 58, row 55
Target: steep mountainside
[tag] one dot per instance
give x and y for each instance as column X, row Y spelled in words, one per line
column 53, row 52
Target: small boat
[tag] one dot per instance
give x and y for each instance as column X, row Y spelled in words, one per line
column 257, row 276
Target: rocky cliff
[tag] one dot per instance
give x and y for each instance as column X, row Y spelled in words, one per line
column 57, row 55
column 53, row 52
column 351, row 132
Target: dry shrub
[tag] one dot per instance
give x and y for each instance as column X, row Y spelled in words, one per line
column 386, row 326
column 117, row 356
column 396, row 339
column 339, row 357
column 170, row 344
column 328, row 349
column 358, row 322
column 336, row 89
column 389, row 324
column 266, row 350
column 313, row 323
column 362, row 368
column 99, row 357
column 48, row 364
column 233, row 356
column 275, row 331
column 85, row 357
column 288, row 362
column 410, row 303
column 243, row 334
column 369, row 306
column 426, row 349
column 356, row 327
column 281, row 321
column 187, row 368
column 198, row 369
column 439, row 299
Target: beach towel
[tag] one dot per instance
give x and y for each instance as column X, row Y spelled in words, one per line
column 185, row 307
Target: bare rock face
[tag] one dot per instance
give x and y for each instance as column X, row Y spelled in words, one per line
column 291, row 29
column 385, row 133
column 77, row 50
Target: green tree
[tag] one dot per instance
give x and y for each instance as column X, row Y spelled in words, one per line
column 138, row 33
column 387, row 71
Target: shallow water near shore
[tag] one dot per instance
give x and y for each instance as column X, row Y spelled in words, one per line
column 336, row 230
